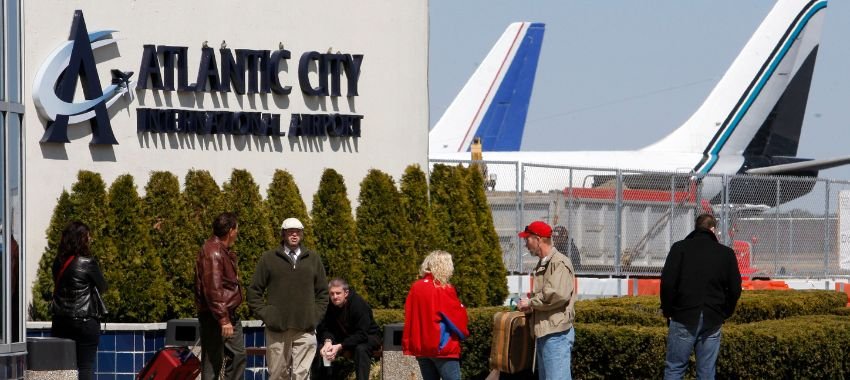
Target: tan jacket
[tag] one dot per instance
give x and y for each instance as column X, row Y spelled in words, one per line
column 553, row 297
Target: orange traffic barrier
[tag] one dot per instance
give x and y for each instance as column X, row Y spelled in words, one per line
column 644, row 287
column 764, row 285
column 844, row 288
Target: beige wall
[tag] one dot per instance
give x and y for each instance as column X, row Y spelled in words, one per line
column 392, row 35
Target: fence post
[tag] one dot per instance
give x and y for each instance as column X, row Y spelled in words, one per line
column 724, row 213
column 826, row 246
column 618, row 226
column 776, row 220
column 672, row 209
column 520, row 183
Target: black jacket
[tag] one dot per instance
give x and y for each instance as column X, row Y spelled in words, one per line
column 700, row 275
column 351, row 324
column 74, row 296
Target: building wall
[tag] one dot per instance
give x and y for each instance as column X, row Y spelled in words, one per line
column 392, row 36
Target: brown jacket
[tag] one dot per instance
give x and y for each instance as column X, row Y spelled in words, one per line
column 217, row 287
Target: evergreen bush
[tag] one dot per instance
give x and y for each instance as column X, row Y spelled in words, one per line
column 87, row 202
column 202, row 198
column 88, row 205
column 458, row 233
column 133, row 300
column 416, row 206
column 166, row 217
column 42, row 290
column 494, row 265
column 335, row 231
column 385, row 241
column 242, row 196
column 283, row 200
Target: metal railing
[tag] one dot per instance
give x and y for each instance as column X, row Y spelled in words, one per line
column 623, row 222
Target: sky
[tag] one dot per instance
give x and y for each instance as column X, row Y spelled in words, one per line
column 621, row 74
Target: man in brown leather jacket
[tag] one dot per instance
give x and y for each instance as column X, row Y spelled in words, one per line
column 217, row 295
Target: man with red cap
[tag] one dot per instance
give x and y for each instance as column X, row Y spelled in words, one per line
column 551, row 303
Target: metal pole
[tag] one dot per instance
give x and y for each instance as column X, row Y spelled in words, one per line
column 618, row 223
column 826, row 246
column 520, row 182
column 727, row 225
column 672, row 207
column 776, row 240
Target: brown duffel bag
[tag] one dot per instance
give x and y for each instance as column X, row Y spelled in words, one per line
column 512, row 350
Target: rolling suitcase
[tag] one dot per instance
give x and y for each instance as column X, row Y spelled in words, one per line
column 512, row 350
column 172, row 363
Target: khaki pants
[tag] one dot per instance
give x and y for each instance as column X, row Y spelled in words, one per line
column 291, row 348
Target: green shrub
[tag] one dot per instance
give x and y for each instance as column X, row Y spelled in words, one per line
column 494, row 265
column 759, row 305
column 385, row 241
column 336, row 241
column 202, row 198
column 242, row 196
column 129, row 299
column 458, row 234
column 618, row 352
column 88, row 204
column 165, row 217
column 800, row 347
column 754, row 306
column 416, row 206
column 42, row 290
column 283, row 200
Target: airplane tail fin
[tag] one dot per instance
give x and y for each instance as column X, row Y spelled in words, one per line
column 757, row 108
column 494, row 102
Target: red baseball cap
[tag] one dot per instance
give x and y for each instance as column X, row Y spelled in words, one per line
column 536, row 228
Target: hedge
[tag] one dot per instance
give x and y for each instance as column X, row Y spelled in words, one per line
column 612, row 343
column 754, row 306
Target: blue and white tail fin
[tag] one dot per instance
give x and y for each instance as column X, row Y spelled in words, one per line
column 757, row 107
column 494, row 102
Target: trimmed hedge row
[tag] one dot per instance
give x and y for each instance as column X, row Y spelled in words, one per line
column 800, row 347
column 754, row 306
column 778, row 334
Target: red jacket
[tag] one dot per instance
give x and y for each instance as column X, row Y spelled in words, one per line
column 422, row 315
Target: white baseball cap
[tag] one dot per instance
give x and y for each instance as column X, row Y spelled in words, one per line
column 292, row 223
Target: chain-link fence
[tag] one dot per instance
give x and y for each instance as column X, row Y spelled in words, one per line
column 623, row 222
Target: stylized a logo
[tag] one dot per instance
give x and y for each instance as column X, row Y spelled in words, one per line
column 73, row 60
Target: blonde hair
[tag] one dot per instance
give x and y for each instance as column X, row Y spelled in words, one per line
column 438, row 264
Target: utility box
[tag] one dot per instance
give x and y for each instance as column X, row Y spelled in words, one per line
column 394, row 364
column 182, row 332
column 51, row 358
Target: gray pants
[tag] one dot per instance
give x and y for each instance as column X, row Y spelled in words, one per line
column 214, row 349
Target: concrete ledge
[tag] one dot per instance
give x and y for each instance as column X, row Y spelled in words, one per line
column 51, row 375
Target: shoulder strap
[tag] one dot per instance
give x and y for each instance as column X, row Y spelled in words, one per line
column 61, row 272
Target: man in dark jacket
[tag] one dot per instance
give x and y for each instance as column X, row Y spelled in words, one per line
column 217, row 295
column 349, row 326
column 289, row 292
column 700, row 286
column 565, row 244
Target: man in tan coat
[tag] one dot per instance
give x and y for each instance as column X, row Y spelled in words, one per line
column 551, row 304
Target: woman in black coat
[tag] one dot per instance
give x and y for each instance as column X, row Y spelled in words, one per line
column 77, row 305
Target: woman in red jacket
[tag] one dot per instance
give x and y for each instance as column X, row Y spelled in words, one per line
column 435, row 322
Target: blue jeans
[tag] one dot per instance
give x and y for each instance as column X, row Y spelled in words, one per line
column 434, row 368
column 554, row 353
column 682, row 340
